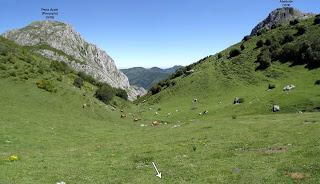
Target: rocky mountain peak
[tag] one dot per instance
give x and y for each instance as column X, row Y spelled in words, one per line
column 85, row 56
column 280, row 16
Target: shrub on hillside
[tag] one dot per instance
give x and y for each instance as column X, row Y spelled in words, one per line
column 264, row 60
column 219, row 55
column 60, row 67
column 105, row 93
column 46, row 85
column 287, row 38
column 316, row 20
column 275, row 51
column 300, row 30
column 302, row 53
column 246, row 38
column 259, row 43
column 12, row 73
column 78, row 82
column 234, row 53
column 59, row 78
column 274, row 26
column 3, row 67
column 268, row 42
column 311, row 54
column 259, row 33
column 87, row 78
column 242, row 47
column 155, row 89
column 178, row 73
column 317, row 82
column 289, row 52
column 121, row 93
column 294, row 22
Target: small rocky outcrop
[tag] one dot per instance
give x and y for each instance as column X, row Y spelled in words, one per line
column 280, row 16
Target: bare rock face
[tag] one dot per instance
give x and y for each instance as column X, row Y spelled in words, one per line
column 280, row 16
column 85, row 57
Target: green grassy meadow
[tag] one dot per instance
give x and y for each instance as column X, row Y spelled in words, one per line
column 57, row 140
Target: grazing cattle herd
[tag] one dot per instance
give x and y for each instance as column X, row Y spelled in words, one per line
column 236, row 101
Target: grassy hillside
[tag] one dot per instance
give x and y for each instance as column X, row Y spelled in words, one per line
column 147, row 77
column 56, row 138
column 217, row 80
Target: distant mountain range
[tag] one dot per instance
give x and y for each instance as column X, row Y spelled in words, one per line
column 147, row 77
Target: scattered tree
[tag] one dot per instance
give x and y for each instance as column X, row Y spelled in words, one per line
column 300, row 30
column 259, row 43
column 242, row 47
column 268, row 42
column 294, row 22
column 264, row 60
column 105, row 93
column 246, row 38
column 234, row 53
column 78, row 82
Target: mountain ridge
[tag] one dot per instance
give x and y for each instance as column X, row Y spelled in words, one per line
column 147, row 77
column 280, row 16
column 86, row 57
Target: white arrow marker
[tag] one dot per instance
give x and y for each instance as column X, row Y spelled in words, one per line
column 155, row 167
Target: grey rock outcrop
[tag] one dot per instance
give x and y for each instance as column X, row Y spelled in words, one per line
column 280, row 16
column 85, row 56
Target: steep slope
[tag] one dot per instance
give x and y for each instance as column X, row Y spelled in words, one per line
column 280, row 16
column 59, row 41
column 147, row 77
column 217, row 80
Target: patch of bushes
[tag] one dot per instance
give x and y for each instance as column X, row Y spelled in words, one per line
column 259, row 43
column 301, row 53
column 87, row 78
column 317, row 82
column 178, row 73
column 287, row 38
column 264, row 60
column 274, row 26
column 234, row 53
column 294, row 22
column 155, row 89
column 289, row 52
column 78, row 82
column 3, row 67
column 219, row 55
column 12, row 73
column 246, row 38
column 310, row 54
column 316, row 20
column 268, row 42
column 275, row 51
column 60, row 67
column 59, row 78
column 259, row 33
column 46, row 85
column 121, row 93
column 105, row 93
column 300, row 30
column 242, row 47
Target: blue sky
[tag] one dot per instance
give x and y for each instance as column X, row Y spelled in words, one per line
column 150, row 33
